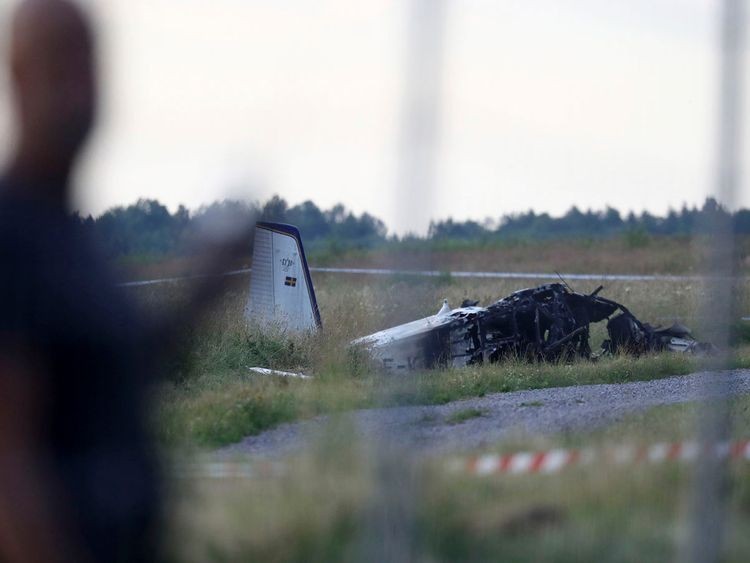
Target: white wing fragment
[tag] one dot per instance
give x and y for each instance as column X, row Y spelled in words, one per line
column 266, row 371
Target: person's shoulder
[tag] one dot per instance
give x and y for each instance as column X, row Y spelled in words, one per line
column 26, row 219
column 15, row 220
column 29, row 232
column 12, row 208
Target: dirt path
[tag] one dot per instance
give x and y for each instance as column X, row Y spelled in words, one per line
column 432, row 429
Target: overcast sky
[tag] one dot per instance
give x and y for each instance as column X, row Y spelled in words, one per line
column 545, row 104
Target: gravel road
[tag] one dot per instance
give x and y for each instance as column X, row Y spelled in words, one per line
column 427, row 429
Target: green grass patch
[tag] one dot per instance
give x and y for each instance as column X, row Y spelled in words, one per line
column 223, row 407
column 532, row 404
column 459, row 416
column 211, row 399
column 333, row 503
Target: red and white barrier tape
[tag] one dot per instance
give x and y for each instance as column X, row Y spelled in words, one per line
column 554, row 461
column 519, row 463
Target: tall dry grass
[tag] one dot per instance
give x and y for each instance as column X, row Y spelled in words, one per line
column 210, row 398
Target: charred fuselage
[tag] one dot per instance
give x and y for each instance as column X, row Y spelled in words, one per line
column 545, row 323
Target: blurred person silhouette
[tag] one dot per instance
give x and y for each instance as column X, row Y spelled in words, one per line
column 79, row 477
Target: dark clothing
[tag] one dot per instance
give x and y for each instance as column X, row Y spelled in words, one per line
column 60, row 303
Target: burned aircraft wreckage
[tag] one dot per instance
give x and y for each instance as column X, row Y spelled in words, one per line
column 547, row 323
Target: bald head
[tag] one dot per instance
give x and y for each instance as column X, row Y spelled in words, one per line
column 53, row 76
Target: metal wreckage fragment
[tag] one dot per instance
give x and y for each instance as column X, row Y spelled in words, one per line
column 551, row 323
column 546, row 323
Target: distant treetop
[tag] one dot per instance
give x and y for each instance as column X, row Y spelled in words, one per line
column 147, row 228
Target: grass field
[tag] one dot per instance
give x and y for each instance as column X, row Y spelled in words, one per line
column 346, row 500
column 632, row 255
column 629, row 254
column 211, row 398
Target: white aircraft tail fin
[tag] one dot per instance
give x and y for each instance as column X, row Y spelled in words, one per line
column 281, row 289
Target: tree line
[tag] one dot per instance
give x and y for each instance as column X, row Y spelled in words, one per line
column 607, row 223
column 148, row 228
